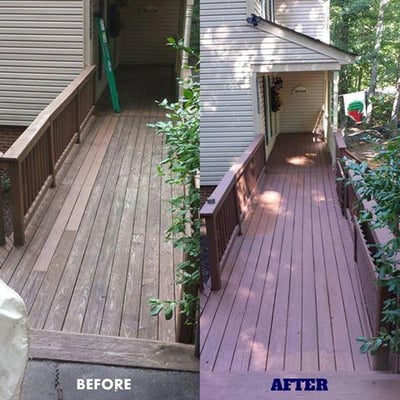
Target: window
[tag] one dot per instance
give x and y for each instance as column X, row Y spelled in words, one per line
column 267, row 9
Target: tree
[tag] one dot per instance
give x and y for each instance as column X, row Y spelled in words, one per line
column 376, row 52
column 377, row 48
column 371, row 30
column 395, row 111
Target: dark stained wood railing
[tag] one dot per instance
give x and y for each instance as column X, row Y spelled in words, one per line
column 38, row 153
column 228, row 204
column 365, row 237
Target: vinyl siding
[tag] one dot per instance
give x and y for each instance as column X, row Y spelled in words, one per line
column 299, row 112
column 305, row 16
column 41, row 52
column 144, row 35
column 229, row 47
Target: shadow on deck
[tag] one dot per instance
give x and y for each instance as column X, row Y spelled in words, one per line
column 95, row 250
column 290, row 297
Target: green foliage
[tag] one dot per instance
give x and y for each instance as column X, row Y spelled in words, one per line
column 353, row 28
column 181, row 167
column 382, row 108
column 382, row 184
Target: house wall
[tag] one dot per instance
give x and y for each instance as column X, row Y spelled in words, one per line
column 41, row 52
column 310, row 17
column 146, row 25
column 299, row 111
column 229, row 48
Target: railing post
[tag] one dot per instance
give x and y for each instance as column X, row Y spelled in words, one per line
column 17, row 201
column 78, row 116
column 237, row 210
column 93, row 83
column 2, row 233
column 52, row 155
column 213, row 252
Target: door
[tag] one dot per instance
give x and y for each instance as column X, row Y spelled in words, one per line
column 267, row 108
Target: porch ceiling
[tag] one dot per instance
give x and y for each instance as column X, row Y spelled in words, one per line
column 337, row 55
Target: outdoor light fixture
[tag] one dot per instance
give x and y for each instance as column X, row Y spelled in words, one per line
column 253, row 19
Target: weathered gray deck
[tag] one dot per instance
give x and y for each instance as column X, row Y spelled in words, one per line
column 290, row 299
column 95, row 250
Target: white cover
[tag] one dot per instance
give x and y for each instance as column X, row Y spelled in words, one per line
column 13, row 342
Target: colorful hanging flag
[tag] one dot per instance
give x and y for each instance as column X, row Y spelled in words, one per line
column 354, row 105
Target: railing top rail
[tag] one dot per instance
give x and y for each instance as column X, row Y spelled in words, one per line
column 341, row 145
column 230, row 178
column 21, row 147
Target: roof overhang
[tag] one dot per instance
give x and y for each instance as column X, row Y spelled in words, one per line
column 267, row 68
column 342, row 57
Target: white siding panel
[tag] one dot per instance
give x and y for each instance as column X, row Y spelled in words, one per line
column 144, row 34
column 229, row 48
column 41, row 52
column 305, row 16
column 299, row 112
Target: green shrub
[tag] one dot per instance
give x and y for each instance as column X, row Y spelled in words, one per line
column 181, row 133
column 381, row 109
column 382, row 184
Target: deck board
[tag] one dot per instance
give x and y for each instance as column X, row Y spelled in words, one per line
column 95, row 250
column 290, row 299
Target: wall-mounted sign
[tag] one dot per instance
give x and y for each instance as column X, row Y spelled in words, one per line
column 147, row 9
column 299, row 90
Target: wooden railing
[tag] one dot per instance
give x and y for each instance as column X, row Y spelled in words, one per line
column 228, row 203
column 33, row 160
column 365, row 237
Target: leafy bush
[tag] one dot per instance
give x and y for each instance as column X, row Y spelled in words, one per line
column 181, row 133
column 382, row 184
column 381, row 109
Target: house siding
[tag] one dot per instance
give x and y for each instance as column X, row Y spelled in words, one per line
column 229, row 47
column 41, row 52
column 144, row 33
column 299, row 111
column 310, row 17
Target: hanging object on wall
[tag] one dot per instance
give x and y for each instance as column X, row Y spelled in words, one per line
column 354, row 105
column 277, row 85
column 147, row 9
column 299, row 90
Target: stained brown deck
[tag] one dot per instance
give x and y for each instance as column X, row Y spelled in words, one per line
column 95, row 250
column 290, row 299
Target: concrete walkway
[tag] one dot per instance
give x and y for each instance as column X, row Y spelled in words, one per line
column 46, row 380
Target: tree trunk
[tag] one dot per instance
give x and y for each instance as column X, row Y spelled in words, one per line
column 395, row 111
column 377, row 48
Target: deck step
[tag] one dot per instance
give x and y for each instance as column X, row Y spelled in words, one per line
column 341, row 385
column 109, row 350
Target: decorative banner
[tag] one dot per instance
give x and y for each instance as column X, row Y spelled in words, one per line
column 354, row 105
column 299, row 90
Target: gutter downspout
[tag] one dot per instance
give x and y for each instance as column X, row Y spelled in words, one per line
column 185, row 72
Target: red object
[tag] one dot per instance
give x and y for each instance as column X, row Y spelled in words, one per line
column 356, row 115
